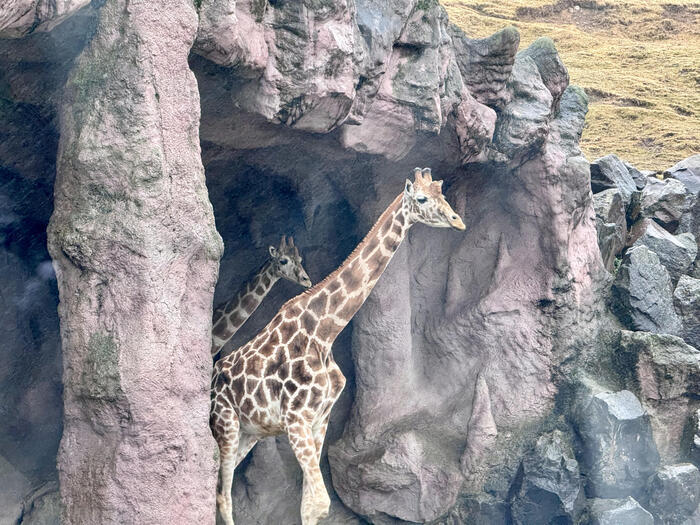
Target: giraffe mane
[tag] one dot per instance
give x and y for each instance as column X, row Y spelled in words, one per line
column 358, row 248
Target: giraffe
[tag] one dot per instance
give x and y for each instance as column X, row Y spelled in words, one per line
column 285, row 380
column 284, row 263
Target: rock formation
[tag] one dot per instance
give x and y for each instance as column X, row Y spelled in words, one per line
column 469, row 368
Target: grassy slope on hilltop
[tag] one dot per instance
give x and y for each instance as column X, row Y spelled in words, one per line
column 638, row 60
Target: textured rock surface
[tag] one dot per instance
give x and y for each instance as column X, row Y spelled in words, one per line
column 21, row 17
column 642, row 293
column 688, row 172
column 665, row 201
column 549, row 488
column 665, row 373
column 610, row 172
column 618, row 449
column 676, row 252
column 135, row 251
column 639, row 177
column 611, row 225
column 674, row 493
column 686, row 298
column 618, row 512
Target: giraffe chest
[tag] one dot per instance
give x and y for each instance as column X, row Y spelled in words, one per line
column 268, row 388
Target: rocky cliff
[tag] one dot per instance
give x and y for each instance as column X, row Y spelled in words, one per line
column 539, row 368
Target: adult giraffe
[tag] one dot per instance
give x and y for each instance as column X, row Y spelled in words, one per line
column 285, row 380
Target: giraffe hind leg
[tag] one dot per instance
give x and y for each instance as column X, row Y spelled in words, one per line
column 226, row 431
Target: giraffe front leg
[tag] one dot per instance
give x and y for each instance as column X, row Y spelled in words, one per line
column 314, row 501
column 226, row 430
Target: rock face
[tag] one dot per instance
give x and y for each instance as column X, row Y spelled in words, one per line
column 665, row 373
column 136, row 255
column 665, row 201
column 642, row 292
column 676, row 252
column 618, row 451
column 550, row 489
column 618, row 512
column 674, row 493
column 21, row 17
column 611, row 225
column 686, row 297
column 610, row 172
column 688, row 172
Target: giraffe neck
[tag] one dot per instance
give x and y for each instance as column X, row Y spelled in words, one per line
column 335, row 300
column 231, row 316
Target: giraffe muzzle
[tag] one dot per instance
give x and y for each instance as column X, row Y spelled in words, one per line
column 456, row 223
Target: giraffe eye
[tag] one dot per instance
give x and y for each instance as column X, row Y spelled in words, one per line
column 284, row 261
column 422, row 199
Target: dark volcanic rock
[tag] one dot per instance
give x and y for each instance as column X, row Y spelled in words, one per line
column 676, row 252
column 686, row 297
column 611, row 225
column 665, row 374
column 618, row 512
column 642, row 293
column 639, row 177
column 610, row 172
column 618, row 450
column 674, row 493
column 549, row 487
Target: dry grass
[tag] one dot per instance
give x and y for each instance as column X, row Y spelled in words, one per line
column 638, row 60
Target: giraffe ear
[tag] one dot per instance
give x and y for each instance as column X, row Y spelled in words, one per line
column 409, row 188
column 273, row 251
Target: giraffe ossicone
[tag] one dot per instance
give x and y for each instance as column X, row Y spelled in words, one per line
column 284, row 263
column 285, row 380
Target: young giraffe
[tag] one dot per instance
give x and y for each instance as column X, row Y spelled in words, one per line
column 284, row 263
column 285, row 380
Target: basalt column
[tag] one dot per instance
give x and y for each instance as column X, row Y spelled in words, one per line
column 136, row 255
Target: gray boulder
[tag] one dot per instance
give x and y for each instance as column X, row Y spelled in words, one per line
column 618, row 451
column 43, row 506
column 549, row 488
column 676, row 252
column 611, row 224
column 674, row 493
column 610, row 172
column 688, row 172
column 638, row 176
column 642, row 293
column 665, row 374
column 694, row 434
column 618, row 512
column 686, row 298
column 665, row 201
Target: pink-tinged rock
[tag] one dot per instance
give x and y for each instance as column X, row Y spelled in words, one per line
column 136, row 255
column 474, row 125
column 21, row 17
column 297, row 66
column 482, row 431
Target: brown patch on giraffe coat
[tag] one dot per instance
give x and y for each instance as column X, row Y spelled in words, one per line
column 333, row 286
column 246, row 407
column 290, row 386
column 315, row 397
column 274, row 363
column 335, row 301
column 253, row 365
column 396, row 229
column 260, row 290
column 292, row 311
column 274, row 386
column 318, row 303
column 287, row 329
column 283, row 371
column 391, row 243
column 297, row 346
column 222, row 330
column 376, row 264
column 238, row 386
column 371, row 246
column 299, row 372
column 237, row 368
column 400, row 218
column 299, row 400
column 266, row 281
column 327, row 329
column 337, row 381
column 251, row 384
column 260, row 396
column 352, row 275
column 386, row 226
column 313, row 356
column 248, row 304
column 308, row 322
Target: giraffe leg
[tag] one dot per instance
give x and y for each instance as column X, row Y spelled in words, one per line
column 226, row 431
column 314, row 500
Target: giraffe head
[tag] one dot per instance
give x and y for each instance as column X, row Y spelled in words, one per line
column 425, row 202
column 286, row 263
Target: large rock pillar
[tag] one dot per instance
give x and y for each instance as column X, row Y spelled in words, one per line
column 136, row 255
